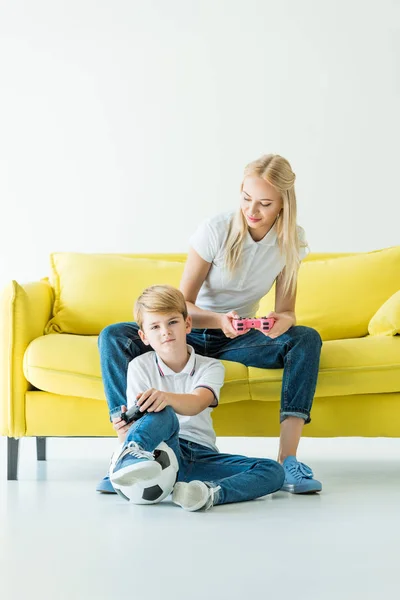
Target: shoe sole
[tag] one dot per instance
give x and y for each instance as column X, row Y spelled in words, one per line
column 106, row 492
column 299, row 489
column 185, row 495
column 134, row 473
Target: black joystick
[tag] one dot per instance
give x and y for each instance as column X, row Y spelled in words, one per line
column 133, row 414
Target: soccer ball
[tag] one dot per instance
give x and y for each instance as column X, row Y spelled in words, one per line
column 154, row 490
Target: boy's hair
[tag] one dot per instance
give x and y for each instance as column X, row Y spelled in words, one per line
column 161, row 299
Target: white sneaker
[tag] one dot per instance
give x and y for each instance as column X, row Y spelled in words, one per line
column 194, row 495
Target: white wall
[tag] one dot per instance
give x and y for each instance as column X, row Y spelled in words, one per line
column 123, row 123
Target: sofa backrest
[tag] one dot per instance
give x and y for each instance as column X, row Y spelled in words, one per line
column 338, row 293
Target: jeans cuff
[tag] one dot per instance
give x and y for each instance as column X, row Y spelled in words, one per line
column 115, row 412
column 293, row 413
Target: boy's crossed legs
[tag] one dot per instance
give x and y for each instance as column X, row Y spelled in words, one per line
column 205, row 476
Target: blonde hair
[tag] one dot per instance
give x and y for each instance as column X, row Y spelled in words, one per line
column 277, row 171
column 159, row 298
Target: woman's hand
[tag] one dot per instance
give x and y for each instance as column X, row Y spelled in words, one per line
column 120, row 426
column 283, row 322
column 227, row 327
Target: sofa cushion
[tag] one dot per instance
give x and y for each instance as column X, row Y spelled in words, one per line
column 69, row 365
column 339, row 296
column 386, row 321
column 366, row 365
column 95, row 290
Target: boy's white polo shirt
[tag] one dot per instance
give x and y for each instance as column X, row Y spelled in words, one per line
column 149, row 371
column 261, row 263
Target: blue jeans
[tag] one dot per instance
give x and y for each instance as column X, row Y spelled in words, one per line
column 297, row 351
column 240, row 478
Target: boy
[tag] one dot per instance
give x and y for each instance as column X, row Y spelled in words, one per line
column 179, row 389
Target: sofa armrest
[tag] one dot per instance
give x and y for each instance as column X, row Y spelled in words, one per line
column 24, row 312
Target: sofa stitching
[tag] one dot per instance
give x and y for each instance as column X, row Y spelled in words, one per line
column 77, row 374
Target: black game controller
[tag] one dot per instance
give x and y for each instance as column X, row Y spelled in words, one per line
column 133, row 414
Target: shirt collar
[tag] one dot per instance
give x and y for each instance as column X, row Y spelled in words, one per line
column 270, row 239
column 189, row 368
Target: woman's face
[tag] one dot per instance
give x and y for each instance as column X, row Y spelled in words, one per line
column 260, row 204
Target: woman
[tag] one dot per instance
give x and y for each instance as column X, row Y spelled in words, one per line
column 233, row 261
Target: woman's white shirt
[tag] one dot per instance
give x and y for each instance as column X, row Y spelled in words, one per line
column 260, row 265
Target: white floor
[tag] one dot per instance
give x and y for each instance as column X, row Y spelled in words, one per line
column 59, row 539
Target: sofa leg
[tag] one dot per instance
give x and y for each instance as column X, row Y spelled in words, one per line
column 12, row 458
column 41, row 448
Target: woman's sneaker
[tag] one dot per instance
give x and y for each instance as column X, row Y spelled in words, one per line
column 299, row 477
column 105, row 486
column 133, row 464
column 195, row 495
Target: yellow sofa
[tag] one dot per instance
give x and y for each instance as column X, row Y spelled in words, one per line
column 50, row 371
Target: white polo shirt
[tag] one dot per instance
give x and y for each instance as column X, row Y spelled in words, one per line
column 261, row 263
column 149, row 371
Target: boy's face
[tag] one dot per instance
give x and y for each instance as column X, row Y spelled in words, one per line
column 165, row 332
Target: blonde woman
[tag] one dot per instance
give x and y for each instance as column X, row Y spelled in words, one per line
column 234, row 259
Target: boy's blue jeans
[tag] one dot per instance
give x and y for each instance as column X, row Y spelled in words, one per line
column 240, row 478
column 297, row 351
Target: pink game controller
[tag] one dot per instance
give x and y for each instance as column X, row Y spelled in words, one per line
column 263, row 323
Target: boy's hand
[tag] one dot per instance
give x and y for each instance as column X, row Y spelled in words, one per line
column 120, row 426
column 153, row 400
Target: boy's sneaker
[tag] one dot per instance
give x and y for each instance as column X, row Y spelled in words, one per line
column 133, row 464
column 195, row 495
column 299, row 477
column 105, row 486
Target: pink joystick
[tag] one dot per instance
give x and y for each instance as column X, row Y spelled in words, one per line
column 263, row 323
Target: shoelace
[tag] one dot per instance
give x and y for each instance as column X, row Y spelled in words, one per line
column 134, row 450
column 300, row 470
column 210, row 501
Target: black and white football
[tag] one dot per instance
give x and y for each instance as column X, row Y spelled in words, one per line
column 154, row 490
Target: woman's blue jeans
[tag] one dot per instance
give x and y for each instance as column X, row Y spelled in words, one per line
column 297, row 351
column 238, row 478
